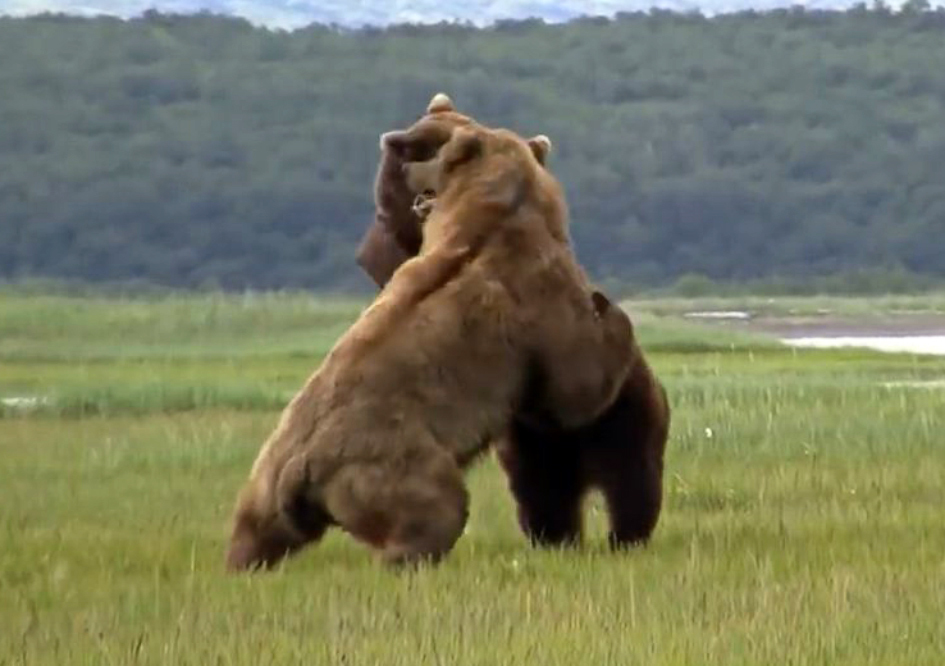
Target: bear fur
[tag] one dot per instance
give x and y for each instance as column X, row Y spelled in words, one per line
column 376, row 440
column 395, row 234
column 552, row 467
column 574, row 378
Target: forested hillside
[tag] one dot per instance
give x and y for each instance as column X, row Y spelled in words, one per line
column 199, row 150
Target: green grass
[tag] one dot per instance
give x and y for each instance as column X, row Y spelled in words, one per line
column 803, row 520
column 59, row 328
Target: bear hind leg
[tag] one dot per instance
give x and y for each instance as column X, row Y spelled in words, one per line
column 425, row 534
column 410, row 514
column 633, row 504
column 546, row 479
column 632, row 484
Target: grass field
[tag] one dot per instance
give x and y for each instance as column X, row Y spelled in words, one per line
column 804, row 520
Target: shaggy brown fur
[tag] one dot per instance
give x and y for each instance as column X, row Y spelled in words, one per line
column 395, row 234
column 376, row 440
column 279, row 509
column 579, row 344
column 551, row 467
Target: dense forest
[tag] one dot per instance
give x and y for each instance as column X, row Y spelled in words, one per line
column 201, row 151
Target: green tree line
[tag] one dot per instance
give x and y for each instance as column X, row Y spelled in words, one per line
column 199, row 150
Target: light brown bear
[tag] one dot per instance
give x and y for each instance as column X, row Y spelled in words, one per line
column 429, row 374
column 550, row 467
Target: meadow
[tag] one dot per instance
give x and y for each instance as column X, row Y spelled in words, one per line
column 802, row 524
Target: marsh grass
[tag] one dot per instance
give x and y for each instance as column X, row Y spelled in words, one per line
column 62, row 328
column 803, row 521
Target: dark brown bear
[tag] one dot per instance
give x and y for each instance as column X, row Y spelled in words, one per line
column 430, row 373
column 551, row 468
column 395, row 234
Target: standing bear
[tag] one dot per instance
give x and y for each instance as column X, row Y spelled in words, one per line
column 376, row 440
column 551, row 464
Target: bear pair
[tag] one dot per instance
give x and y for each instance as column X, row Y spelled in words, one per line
column 491, row 310
column 436, row 368
column 550, row 468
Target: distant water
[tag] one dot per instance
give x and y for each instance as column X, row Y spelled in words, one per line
column 915, row 344
column 718, row 314
column 24, row 402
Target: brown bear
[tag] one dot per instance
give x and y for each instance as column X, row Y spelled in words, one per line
column 395, row 235
column 572, row 377
column 551, row 467
column 431, row 372
column 399, row 212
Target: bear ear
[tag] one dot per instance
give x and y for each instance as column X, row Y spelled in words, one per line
column 601, row 303
column 541, row 146
column 395, row 141
column 440, row 103
column 464, row 145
